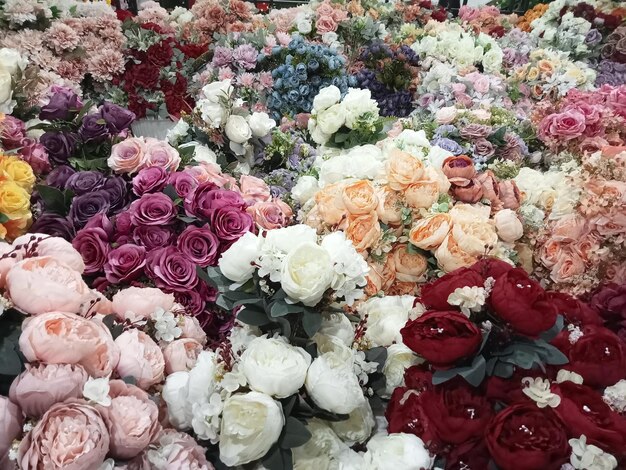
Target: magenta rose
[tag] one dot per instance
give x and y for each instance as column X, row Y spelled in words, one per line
column 563, row 126
column 153, row 209
column 171, row 270
column 230, row 223
column 93, row 246
column 35, row 155
column 149, row 180
column 12, row 131
column 125, row 263
column 207, row 198
column 123, row 225
column 200, row 245
column 183, row 183
column 153, row 236
column 191, row 300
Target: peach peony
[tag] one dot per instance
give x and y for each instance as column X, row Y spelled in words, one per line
column 359, row 198
column 450, row 256
column 389, row 208
column 364, row 231
column 403, row 169
column 429, row 233
column 409, row 267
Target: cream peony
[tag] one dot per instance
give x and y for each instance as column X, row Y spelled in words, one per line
column 398, row 451
column 399, row 358
column 307, row 273
column 508, row 225
column 385, row 317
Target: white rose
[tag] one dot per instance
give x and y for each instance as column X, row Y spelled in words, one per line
column 306, row 274
column 446, row 115
column 492, row 60
column 236, row 262
column 399, row 358
column 304, row 26
column 212, row 113
column 356, row 103
column 398, row 451
column 6, row 92
column 237, row 129
column 317, row 135
column 332, row 384
column 217, row 91
column 274, row 367
column 12, row 61
column 203, row 154
column 305, row 189
column 385, row 317
column 326, row 97
column 261, row 124
column 508, row 225
column 332, row 119
column 330, row 38
column 287, row 239
column 336, row 325
column 251, row 424
column 177, row 132
column 358, row 427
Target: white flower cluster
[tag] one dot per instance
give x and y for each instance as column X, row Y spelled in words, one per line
column 330, row 113
column 305, row 267
column 615, row 396
column 11, row 63
column 589, row 457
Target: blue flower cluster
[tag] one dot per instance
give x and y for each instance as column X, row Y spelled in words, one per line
column 304, row 69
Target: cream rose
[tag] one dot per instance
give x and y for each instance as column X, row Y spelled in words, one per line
column 6, row 92
column 251, row 424
column 305, row 189
column 237, row 129
column 385, row 317
column 307, row 273
column 446, row 115
column 508, row 225
column 140, row 358
column 12, row 61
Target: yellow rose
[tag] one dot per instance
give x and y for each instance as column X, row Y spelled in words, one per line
column 14, row 200
column 533, row 73
column 17, row 170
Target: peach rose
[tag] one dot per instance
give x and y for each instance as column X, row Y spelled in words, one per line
column 191, row 328
column 409, row 267
column 211, row 172
column 422, row 194
column 472, row 192
column 508, row 225
column 45, row 284
column 139, row 303
column 429, row 233
column 403, row 169
column 568, row 265
column 128, row 156
column 271, row 215
column 40, row 386
column 70, row 436
column 402, row 288
column 181, row 355
column 450, row 256
column 545, row 67
column 140, row 357
column 509, row 194
column 380, row 277
column 569, row 228
column 66, row 338
column 359, row 197
column 389, row 208
column 329, row 204
column 476, row 238
column 611, row 224
column 468, row 213
column 56, row 247
column 132, row 419
column 162, row 154
column 10, row 428
column 459, row 170
column 586, row 246
column 254, row 189
column 363, row 231
column 550, row 252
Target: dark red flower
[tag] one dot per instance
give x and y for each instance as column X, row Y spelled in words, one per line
column 574, row 310
column 160, row 54
column 124, row 15
column 193, row 51
column 145, row 75
column 405, row 414
column 435, row 294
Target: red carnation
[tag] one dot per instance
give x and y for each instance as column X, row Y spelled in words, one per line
column 160, row 54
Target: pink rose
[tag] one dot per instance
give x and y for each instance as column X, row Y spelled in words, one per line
column 326, row 24
column 181, row 355
column 160, row 153
column 139, row 303
column 70, row 436
column 65, row 338
column 45, row 284
column 481, row 84
column 569, row 228
column 191, row 328
column 10, row 427
column 562, row 126
column 212, row 173
column 140, row 357
column 271, row 215
column 568, row 264
column 132, row 420
column 616, row 99
column 254, row 189
column 40, row 386
column 181, row 452
column 128, row 156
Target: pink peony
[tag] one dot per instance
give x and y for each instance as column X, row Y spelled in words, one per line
column 139, row 303
column 140, row 358
column 10, row 428
column 181, row 355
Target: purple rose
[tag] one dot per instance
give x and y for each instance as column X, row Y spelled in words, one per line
column 84, row 182
column 153, row 236
column 59, row 145
column 117, row 118
column 149, row 180
column 93, row 246
column 191, row 300
column 54, row 225
column 85, row 206
column 62, row 106
column 230, row 223
column 475, row 131
column 171, row 270
column 182, row 182
column 35, row 155
column 448, row 144
column 101, row 221
column 12, row 131
column 200, row 245
column 153, row 209
column 117, row 189
column 207, row 198
column 593, row 37
column 245, row 56
column 59, row 176
column 125, row 263
column 93, row 128
column 483, row 148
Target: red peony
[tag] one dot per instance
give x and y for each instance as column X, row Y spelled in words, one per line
column 442, row 338
column 418, row 377
column 526, row 437
column 522, row 303
column 405, row 414
column 470, row 455
column 509, row 390
column 598, row 355
column 574, row 311
column 435, row 294
column 490, row 267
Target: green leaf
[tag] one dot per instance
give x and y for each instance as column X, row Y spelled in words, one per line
column 289, row 403
column 278, row 459
column 377, row 354
column 53, row 198
column 473, row 374
column 170, row 192
column 280, row 309
column 311, row 322
column 550, row 334
column 252, row 316
column 84, row 110
column 295, row 434
column 187, row 220
column 129, row 379
column 3, row 218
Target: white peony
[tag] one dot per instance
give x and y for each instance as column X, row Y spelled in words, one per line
column 358, row 427
column 323, row 445
column 398, row 451
column 236, row 263
column 12, row 61
column 385, row 317
column 336, row 325
column 237, row 129
column 356, row 103
column 362, row 162
column 305, row 189
column 332, row 119
column 307, row 273
column 399, row 359
column 274, row 367
column 278, row 244
column 492, row 60
column 6, row 92
column 317, row 135
column 326, row 97
column 203, row 154
column 261, row 124
column 508, row 225
column 332, row 384
column 251, row 424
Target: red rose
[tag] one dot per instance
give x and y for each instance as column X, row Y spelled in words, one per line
column 522, row 303
column 124, row 15
column 526, row 437
column 404, row 413
column 145, row 75
column 574, row 311
column 442, row 338
column 457, row 412
column 584, row 412
column 435, row 294
column 160, row 54
column 598, row 355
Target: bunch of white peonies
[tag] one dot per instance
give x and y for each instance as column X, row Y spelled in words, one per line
column 330, row 113
column 11, row 65
column 305, row 266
